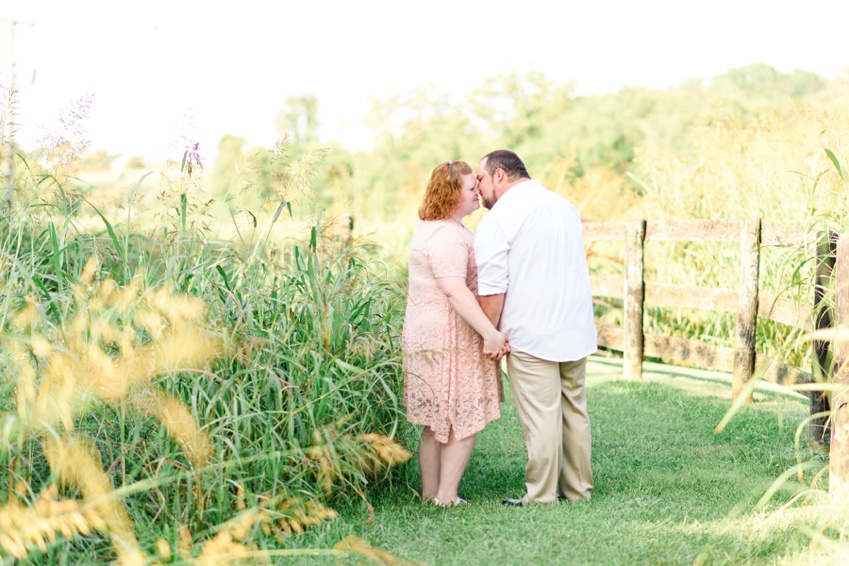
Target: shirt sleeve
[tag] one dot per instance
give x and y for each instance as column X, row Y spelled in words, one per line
column 447, row 254
column 491, row 251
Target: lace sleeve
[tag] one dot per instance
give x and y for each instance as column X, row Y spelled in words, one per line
column 448, row 254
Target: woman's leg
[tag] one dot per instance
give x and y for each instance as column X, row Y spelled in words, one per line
column 455, row 456
column 429, row 462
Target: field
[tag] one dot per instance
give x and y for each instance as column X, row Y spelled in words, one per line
column 202, row 365
column 667, row 489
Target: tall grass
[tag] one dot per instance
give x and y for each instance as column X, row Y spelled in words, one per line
column 201, row 399
column 774, row 167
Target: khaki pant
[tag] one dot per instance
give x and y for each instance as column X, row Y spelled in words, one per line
column 552, row 407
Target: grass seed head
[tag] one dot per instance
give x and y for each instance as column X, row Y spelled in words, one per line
column 325, row 469
column 221, row 550
column 77, row 462
column 354, row 545
column 177, row 420
column 89, row 271
column 26, row 318
column 291, row 516
column 163, row 549
column 226, row 546
column 24, row 528
column 241, row 501
column 151, row 321
column 104, row 356
column 125, row 298
column 40, row 346
column 386, row 449
column 184, row 542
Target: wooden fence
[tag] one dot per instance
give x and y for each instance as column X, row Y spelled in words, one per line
column 838, row 482
column 747, row 300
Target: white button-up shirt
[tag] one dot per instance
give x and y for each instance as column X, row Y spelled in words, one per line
column 530, row 246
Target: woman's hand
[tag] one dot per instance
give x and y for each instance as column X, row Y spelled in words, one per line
column 496, row 346
column 464, row 302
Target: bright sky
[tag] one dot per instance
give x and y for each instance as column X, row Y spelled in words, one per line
column 231, row 65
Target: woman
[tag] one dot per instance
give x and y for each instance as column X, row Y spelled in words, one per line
column 452, row 380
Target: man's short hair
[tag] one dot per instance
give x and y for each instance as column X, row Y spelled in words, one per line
column 508, row 162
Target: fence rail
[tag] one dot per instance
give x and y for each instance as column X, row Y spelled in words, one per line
column 772, row 234
column 748, row 302
column 829, row 420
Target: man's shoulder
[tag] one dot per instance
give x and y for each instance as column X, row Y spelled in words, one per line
column 534, row 192
column 487, row 224
column 551, row 198
column 535, row 196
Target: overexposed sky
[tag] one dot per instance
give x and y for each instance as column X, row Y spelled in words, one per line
column 231, row 65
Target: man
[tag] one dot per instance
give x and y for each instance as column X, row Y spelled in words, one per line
column 534, row 285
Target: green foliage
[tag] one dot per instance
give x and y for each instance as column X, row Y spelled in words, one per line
column 299, row 119
column 545, row 122
column 517, row 108
column 229, row 161
column 300, row 407
column 763, row 85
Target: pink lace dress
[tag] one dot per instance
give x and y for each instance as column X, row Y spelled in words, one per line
column 448, row 381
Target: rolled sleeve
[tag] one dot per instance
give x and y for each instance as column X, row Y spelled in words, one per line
column 491, row 250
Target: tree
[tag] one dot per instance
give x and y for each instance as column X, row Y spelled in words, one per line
column 227, row 165
column 515, row 108
column 299, row 119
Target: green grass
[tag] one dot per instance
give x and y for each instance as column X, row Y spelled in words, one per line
column 311, row 367
column 667, row 489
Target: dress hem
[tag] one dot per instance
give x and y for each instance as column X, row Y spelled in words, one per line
column 474, row 430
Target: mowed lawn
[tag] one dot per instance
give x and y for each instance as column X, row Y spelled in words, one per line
column 667, row 489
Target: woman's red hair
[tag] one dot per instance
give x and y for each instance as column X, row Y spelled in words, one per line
column 443, row 191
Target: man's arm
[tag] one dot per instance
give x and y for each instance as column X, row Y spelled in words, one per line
column 492, row 306
column 462, row 300
column 491, row 255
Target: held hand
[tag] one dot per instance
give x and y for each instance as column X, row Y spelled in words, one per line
column 504, row 351
column 496, row 346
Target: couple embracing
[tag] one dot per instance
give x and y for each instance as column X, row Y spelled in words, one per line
column 517, row 289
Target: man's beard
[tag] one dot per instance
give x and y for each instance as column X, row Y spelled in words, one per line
column 488, row 204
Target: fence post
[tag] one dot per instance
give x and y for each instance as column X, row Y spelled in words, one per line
column 346, row 227
column 820, row 433
column 634, row 298
column 747, row 307
column 838, row 483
